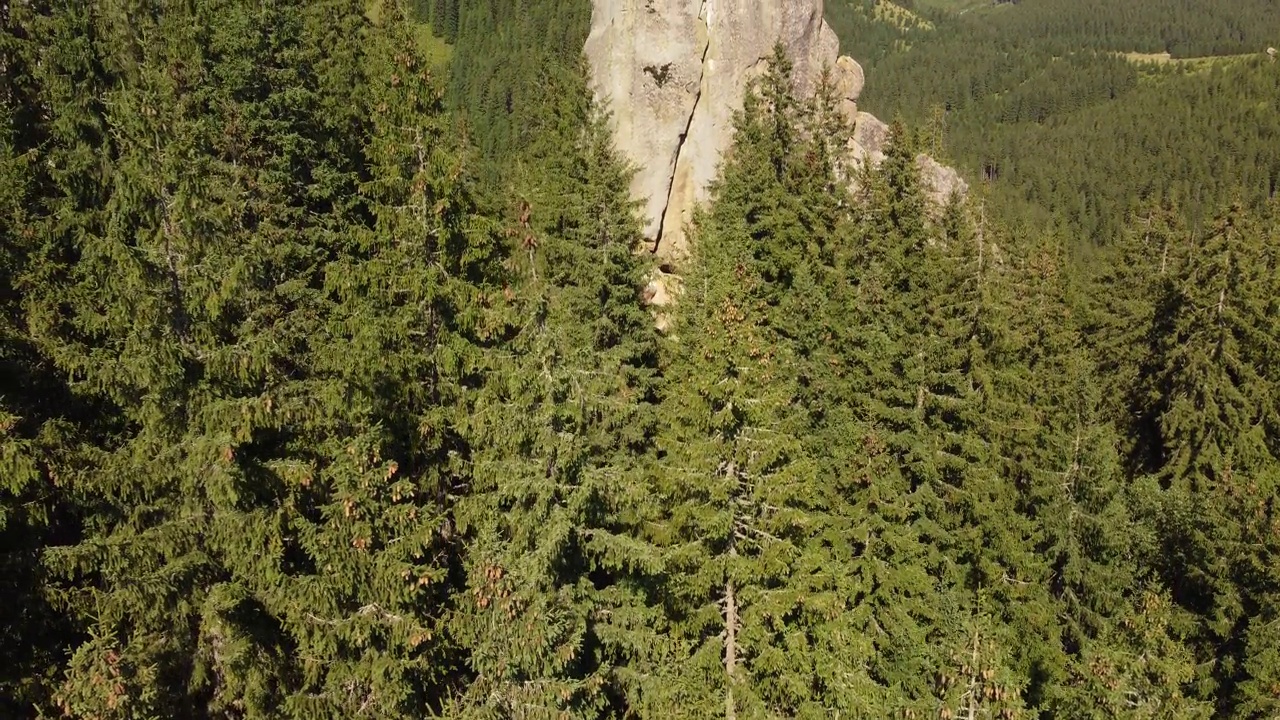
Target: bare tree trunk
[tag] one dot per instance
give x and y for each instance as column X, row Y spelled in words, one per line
column 982, row 238
column 730, row 611
column 974, row 684
column 730, row 642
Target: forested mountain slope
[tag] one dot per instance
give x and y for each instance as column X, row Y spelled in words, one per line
column 312, row 409
column 1048, row 102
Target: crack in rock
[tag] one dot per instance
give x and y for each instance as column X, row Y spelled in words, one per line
column 642, row 55
column 703, row 13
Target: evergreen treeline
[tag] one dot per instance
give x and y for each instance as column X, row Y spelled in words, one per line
column 509, row 59
column 442, row 15
column 1183, row 28
column 1038, row 100
column 299, row 419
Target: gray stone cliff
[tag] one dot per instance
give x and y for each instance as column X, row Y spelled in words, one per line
column 672, row 73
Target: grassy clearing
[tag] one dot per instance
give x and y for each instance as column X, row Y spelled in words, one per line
column 434, row 49
column 1155, row 58
column 1165, row 58
column 900, row 17
column 1155, row 67
column 956, row 6
column 1151, row 65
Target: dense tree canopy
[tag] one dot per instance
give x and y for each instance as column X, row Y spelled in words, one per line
column 329, row 388
column 1050, row 103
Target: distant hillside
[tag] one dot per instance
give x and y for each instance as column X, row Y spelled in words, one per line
column 1076, row 111
column 1184, row 28
column 512, row 62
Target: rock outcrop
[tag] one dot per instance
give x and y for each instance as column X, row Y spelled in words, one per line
column 941, row 181
column 672, row 73
column 870, row 138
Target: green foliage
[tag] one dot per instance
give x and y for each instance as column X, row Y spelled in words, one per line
column 310, row 410
column 1039, row 100
column 1212, row 399
column 40, row 422
column 559, row 617
column 748, row 527
column 274, row 285
column 507, row 66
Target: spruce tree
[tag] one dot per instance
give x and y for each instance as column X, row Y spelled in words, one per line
column 42, row 425
column 963, row 479
column 754, row 543
column 277, row 285
column 857, row 386
column 1214, row 396
column 1120, row 325
column 1116, row 651
column 558, row 618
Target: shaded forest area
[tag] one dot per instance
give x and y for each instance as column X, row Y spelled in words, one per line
column 515, row 65
column 327, row 390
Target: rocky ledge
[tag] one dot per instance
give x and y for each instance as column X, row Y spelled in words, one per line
column 672, row 74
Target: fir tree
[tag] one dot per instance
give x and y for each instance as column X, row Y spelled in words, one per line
column 42, row 425
column 287, row 347
column 964, row 480
column 1115, row 652
column 753, row 539
column 559, row 617
column 1214, row 395
column 1121, row 326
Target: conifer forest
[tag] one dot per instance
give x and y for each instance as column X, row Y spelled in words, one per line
column 329, row 386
